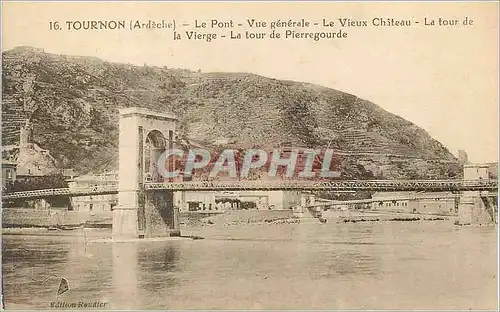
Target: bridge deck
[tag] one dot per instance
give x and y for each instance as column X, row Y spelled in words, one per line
column 349, row 185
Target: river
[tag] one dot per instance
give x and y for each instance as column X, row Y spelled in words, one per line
column 384, row 265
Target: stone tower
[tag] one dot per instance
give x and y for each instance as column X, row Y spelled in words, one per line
column 32, row 159
column 26, row 136
column 462, row 157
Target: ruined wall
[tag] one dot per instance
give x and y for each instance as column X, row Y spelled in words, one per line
column 21, row 217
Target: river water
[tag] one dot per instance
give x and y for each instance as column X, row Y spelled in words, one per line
column 386, row 265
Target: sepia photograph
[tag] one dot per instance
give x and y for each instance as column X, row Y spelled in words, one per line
column 294, row 155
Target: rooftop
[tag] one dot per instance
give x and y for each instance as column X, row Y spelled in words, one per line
column 477, row 165
column 145, row 112
column 108, row 177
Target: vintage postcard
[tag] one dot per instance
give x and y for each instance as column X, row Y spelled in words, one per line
column 249, row 155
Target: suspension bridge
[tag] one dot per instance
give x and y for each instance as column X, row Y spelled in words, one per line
column 146, row 209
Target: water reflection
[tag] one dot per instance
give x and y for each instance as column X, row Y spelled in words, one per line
column 159, row 258
column 32, row 252
column 159, row 267
column 324, row 256
column 142, row 272
column 87, row 271
column 126, row 293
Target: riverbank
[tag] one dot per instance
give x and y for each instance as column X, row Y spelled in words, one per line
column 57, row 222
column 377, row 216
column 237, row 217
column 286, row 217
column 56, row 219
column 61, row 220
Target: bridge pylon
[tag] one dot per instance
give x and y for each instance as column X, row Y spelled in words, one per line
column 474, row 207
column 144, row 135
column 305, row 208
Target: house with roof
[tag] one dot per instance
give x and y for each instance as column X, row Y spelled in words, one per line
column 441, row 203
column 9, row 170
column 94, row 203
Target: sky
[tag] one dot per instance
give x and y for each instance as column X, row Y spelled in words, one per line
column 442, row 78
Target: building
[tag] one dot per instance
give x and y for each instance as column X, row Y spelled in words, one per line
column 94, row 203
column 493, row 171
column 243, row 200
column 239, row 200
column 348, row 205
column 9, row 169
column 396, row 201
column 476, row 171
column 33, row 161
column 442, row 203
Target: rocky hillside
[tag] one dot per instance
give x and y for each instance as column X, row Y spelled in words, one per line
column 73, row 103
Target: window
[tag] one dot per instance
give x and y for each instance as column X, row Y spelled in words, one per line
column 193, row 206
column 8, row 173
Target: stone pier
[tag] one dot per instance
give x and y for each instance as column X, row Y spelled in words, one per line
column 312, row 199
column 304, row 209
column 475, row 207
column 144, row 135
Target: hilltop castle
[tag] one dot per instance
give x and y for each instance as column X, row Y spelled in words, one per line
column 32, row 159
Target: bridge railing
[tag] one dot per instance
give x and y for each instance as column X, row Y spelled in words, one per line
column 387, row 185
column 375, row 185
column 94, row 190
